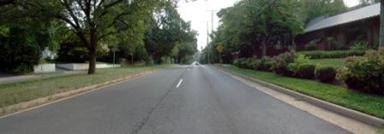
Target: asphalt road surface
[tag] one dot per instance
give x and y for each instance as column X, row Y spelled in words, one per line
column 180, row 100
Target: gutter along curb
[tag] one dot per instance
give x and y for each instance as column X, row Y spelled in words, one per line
column 356, row 115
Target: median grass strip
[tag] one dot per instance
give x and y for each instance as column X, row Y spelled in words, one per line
column 25, row 91
column 370, row 104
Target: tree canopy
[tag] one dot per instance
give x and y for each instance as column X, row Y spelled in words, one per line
column 125, row 25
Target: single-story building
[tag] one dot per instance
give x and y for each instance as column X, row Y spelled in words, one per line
column 343, row 30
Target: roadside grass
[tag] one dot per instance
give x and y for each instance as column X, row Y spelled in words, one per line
column 370, row 104
column 28, row 90
column 336, row 63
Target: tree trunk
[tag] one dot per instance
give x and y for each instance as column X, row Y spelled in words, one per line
column 264, row 49
column 92, row 53
column 293, row 45
column 92, row 61
column 381, row 45
column 132, row 59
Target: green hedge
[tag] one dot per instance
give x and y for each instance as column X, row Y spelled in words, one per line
column 289, row 64
column 325, row 74
column 365, row 73
column 280, row 63
column 332, row 54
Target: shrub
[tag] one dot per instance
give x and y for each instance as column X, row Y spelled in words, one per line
column 252, row 63
column 334, row 44
column 238, row 62
column 300, row 59
column 265, row 64
column 364, row 73
column 306, row 71
column 360, row 46
column 243, row 63
column 280, row 63
column 248, row 63
column 325, row 74
column 332, row 54
column 301, row 68
column 311, row 46
column 22, row 50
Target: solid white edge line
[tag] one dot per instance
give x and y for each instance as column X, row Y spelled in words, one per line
column 178, row 84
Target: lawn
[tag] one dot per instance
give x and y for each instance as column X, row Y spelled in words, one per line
column 370, row 104
column 338, row 62
column 24, row 91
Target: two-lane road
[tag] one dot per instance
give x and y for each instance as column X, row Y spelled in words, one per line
column 180, row 100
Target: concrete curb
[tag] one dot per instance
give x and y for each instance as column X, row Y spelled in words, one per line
column 43, row 101
column 356, row 115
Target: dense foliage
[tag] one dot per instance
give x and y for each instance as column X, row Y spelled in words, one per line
column 251, row 28
column 84, row 30
column 21, row 45
column 332, row 54
column 325, row 74
column 280, row 63
column 169, row 36
column 289, row 64
column 365, row 73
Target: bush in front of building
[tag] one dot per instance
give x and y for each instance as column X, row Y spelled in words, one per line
column 280, row 63
column 301, row 67
column 247, row 63
column 311, row 46
column 305, row 71
column 252, row 63
column 360, row 46
column 238, row 62
column 325, row 74
column 265, row 64
column 365, row 73
column 332, row 54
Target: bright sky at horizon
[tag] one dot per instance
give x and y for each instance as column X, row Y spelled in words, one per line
column 199, row 14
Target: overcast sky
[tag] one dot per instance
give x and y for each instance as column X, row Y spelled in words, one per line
column 199, row 14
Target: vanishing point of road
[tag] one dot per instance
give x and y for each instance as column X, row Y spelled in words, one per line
column 194, row 99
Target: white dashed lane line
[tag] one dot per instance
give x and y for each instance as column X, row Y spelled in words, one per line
column 179, row 84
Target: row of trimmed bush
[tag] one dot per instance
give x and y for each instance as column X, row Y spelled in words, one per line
column 332, row 54
column 365, row 73
column 289, row 64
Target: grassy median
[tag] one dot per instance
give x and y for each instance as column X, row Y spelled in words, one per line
column 370, row 104
column 24, row 91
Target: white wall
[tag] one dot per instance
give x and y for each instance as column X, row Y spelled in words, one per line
column 44, row 68
column 79, row 66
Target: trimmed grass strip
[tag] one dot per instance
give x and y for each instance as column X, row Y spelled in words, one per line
column 25, row 91
column 370, row 104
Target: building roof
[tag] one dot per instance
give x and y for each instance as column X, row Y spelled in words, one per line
column 347, row 17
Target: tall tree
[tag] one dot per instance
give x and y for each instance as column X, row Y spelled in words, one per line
column 91, row 20
column 168, row 34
